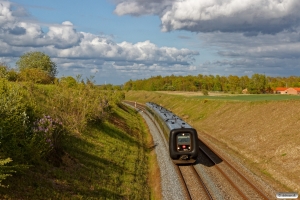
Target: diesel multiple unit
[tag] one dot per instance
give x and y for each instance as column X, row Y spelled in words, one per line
column 182, row 137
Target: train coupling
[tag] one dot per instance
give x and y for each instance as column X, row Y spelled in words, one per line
column 184, row 157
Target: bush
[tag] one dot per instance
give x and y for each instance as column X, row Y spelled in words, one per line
column 4, row 170
column 204, row 92
column 46, row 138
column 7, row 73
column 35, row 75
column 21, row 139
column 14, row 121
column 3, row 70
column 68, row 81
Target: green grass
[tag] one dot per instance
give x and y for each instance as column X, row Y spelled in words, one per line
column 108, row 161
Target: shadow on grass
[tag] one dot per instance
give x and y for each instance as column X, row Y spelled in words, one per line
column 84, row 173
column 89, row 156
column 120, row 129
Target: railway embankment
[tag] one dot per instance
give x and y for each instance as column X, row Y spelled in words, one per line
column 262, row 135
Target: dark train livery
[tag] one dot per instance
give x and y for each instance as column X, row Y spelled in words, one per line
column 183, row 139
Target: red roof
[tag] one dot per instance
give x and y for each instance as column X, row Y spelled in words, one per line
column 284, row 88
column 281, row 88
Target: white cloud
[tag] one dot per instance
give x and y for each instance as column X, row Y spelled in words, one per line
column 81, row 52
column 141, row 7
column 266, row 16
column 93, row 46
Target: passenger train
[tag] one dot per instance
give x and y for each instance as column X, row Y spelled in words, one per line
column 183, row 139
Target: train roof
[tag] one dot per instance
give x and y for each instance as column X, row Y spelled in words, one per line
column 172, row 121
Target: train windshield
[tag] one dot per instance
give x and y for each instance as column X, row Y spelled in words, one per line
column 183, row 138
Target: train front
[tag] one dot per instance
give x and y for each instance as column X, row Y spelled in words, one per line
column 183, row 145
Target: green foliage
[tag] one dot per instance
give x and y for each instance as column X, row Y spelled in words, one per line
column 46, row 136
column 257, row 84
column 204, row 92
column 36, row 119
column 14, row 121
column 89, row 171
column 68, row 81
column 3, row 70
column 35, row 75
column 37, row 60
column 4, row 170
column 21, row 139
column 12, row 75
column 7, row 73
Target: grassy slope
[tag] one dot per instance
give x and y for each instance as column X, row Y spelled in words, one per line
column 108, row 161
column 264, row 133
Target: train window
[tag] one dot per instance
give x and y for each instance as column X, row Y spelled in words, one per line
column 183, row 141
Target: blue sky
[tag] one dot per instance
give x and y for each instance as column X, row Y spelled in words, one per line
column 118, row 40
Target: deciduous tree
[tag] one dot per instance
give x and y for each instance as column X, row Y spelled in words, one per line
column 37, row 60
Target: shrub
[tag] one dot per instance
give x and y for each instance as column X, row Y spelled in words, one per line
column 68, row 81
column 7, row 73
column 204, row 92
column 46, row 137
column 5, row 171
column 3, row 70
column 35, row 75
column 14, row 121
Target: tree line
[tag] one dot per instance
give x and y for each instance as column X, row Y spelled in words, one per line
column 256, row 84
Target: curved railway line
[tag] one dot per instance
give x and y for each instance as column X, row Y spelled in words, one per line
column 211, row 177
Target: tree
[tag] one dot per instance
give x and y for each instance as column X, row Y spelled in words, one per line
column 7, row 72
column 37, row 60
column 258, row 84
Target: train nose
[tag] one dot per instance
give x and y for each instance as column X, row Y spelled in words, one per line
column 184, row 157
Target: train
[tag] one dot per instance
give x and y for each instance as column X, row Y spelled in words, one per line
column 182, row 137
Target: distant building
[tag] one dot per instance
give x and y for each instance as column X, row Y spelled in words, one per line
column 245, row 91
column 285, row 90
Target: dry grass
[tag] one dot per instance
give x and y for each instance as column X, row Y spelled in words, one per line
column 264, row 133
column 193, row 93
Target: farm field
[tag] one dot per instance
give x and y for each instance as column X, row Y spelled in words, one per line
column 236, row 97
column 263, row 134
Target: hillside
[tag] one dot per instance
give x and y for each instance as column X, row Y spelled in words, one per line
column 264, row 135
column 72, row 140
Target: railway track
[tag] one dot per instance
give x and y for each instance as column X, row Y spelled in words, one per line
column 213, row 177
column 193, row 184
column 244, row 187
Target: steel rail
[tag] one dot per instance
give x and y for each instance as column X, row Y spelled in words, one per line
column 235, row 170
column 202, row 183
column 181, row 178
column 179, row 172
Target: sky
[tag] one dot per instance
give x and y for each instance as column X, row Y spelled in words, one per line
column 113, row 41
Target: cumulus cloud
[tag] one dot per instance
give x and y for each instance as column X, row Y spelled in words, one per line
column 250, row 36
column 275, row 55
column 253, row 16
column 141, row 7
column 93, row 46
column 79, row 51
